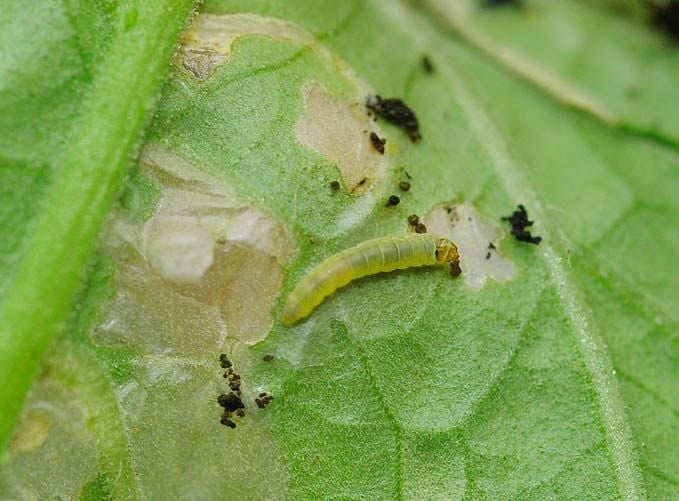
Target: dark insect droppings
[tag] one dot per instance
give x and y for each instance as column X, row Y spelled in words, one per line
column 230, row 402
column 519, row 221
column 226, row 421
column 404, row 185
column 427, row 65
column 335, row 185
column 414, row 221
column 263, row 400
column 224, row 361
column 393, row 200
column 378, row 142
column 268, row 357
column 397, row 112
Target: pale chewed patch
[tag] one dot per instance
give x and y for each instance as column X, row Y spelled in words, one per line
column 338, row 129
column 175, row 434
column 205, row 267
column 198, row 278
column 477, row 238
column 206, row 44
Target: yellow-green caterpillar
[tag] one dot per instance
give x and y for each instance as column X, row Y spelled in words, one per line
column 366, row 258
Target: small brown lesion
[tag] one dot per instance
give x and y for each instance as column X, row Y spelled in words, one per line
column 31, row 431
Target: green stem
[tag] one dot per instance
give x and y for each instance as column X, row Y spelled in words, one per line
column 87, row 178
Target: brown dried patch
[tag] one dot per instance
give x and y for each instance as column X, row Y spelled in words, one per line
column 30, row 432
column 335, row 128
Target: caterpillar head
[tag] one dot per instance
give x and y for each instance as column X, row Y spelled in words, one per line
column 446, row 252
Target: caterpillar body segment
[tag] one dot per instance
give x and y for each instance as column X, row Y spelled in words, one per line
column 366, row 258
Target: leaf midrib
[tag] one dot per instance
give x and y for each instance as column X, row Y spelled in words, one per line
column 592, row 349
column 88, row 174
column 579, row 315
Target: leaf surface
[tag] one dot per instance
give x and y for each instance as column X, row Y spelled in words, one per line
column 556, row 383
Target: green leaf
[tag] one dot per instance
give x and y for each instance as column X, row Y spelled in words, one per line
column 555, row 383
column 73, row 101
column 586, row 55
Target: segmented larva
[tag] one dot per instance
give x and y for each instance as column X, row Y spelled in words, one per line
column 366, row 258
